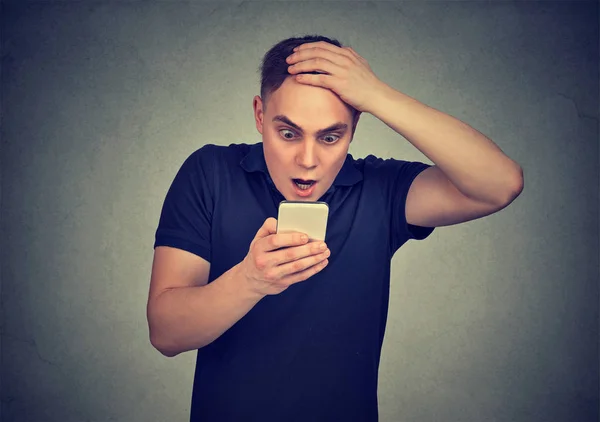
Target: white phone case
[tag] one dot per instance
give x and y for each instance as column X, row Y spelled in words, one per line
column 304, row 217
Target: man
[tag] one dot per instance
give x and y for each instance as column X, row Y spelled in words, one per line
column 288, row 330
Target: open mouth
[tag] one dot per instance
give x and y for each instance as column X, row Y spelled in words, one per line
column 304, row 184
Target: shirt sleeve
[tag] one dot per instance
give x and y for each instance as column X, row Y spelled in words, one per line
column 403, row 175
column 186, row 216
column 396, row 179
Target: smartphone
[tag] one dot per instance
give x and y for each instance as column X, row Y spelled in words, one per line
column 303, row 217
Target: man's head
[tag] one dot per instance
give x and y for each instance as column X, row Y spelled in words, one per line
column 306, row 130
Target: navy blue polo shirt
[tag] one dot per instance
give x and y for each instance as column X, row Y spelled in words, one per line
column 312, row 352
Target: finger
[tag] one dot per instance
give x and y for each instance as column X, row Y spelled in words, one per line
column 339, row 57
column 306, row 274
column 281, row 272
column 317, row 64
column 295, row 253
column 325, row 46
column 281, row 240
column 269, row 227
column 322, row 80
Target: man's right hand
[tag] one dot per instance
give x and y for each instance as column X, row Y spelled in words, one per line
column 276, row 261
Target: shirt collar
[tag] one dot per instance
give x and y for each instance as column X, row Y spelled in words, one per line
column 255, row 161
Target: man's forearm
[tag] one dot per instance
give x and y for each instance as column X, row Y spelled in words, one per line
column 471, row 161
column 189, row 318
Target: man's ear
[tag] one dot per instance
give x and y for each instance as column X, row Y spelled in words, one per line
column 257, row 104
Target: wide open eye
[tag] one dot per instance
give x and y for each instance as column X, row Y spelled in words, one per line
column 286, row 134
column 330, row 139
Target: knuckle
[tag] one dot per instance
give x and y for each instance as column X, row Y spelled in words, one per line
column 290, row 254
column 270, row 275
column 261, row 262
column 297, row 266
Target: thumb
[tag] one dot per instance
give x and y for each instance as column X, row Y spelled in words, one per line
column 268, row 228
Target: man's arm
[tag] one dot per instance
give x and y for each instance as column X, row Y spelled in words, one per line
column 184, row 312
column 471, row 178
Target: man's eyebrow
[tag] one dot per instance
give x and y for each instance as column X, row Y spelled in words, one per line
column 287, row 121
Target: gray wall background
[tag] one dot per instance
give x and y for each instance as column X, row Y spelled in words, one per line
column 491, row 320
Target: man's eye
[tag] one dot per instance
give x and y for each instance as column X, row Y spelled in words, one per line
column 287, row 134
column 330, row 139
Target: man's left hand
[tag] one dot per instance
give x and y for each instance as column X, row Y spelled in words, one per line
column 343, row 71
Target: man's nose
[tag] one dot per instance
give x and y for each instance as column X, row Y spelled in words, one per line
column 307, row 154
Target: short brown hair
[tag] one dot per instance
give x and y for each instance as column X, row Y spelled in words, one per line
column 274, row 68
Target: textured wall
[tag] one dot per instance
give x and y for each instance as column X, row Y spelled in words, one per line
column 491, row 320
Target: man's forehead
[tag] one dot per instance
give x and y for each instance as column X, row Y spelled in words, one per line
column 316, row 106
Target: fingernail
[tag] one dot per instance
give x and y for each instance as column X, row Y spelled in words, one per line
column 322, row 246
column 304, row 238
